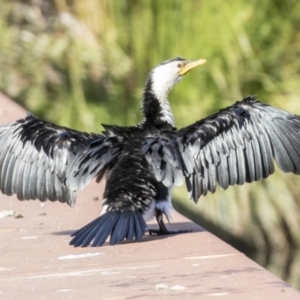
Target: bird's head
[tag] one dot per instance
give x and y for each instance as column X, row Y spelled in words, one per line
column 164, row 76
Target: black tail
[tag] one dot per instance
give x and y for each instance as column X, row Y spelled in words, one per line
column 119, row 225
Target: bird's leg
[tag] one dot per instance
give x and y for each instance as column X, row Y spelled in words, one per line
column 163, row 230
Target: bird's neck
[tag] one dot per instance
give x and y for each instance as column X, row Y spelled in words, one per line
column 156, row 107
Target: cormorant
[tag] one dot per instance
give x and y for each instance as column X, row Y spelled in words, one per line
column 39, row 160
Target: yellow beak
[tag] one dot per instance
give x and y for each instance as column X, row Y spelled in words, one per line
column 191, row 65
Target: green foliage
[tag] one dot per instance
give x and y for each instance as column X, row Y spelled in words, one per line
column 82, row 63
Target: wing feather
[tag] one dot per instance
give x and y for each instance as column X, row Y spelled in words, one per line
column 237, row 145
column 39, row 160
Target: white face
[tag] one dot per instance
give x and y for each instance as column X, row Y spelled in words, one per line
column 164, row 77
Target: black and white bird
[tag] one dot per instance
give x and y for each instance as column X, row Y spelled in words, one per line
column 39, row 160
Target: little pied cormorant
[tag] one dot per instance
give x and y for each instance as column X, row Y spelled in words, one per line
column 39, row 160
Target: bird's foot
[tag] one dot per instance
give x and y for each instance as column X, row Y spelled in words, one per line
column 161, row 231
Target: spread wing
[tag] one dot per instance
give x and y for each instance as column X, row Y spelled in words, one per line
column 39, row 160
column 237, row 145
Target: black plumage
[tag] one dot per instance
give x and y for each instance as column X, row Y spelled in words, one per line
column 39, row 160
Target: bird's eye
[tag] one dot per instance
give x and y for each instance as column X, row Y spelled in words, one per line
column 179, row 65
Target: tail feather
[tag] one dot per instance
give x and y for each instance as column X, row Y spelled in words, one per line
column 138, row 228
column 120, row 230
column 86, row 239
column 103, row 233
column 117, row 225
column 85, row 235
column 130, row 233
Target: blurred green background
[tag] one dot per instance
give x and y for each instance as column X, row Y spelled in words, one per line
column 82, row 63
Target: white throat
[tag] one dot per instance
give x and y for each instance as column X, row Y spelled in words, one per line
column 162, row 83
column 167, row 112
